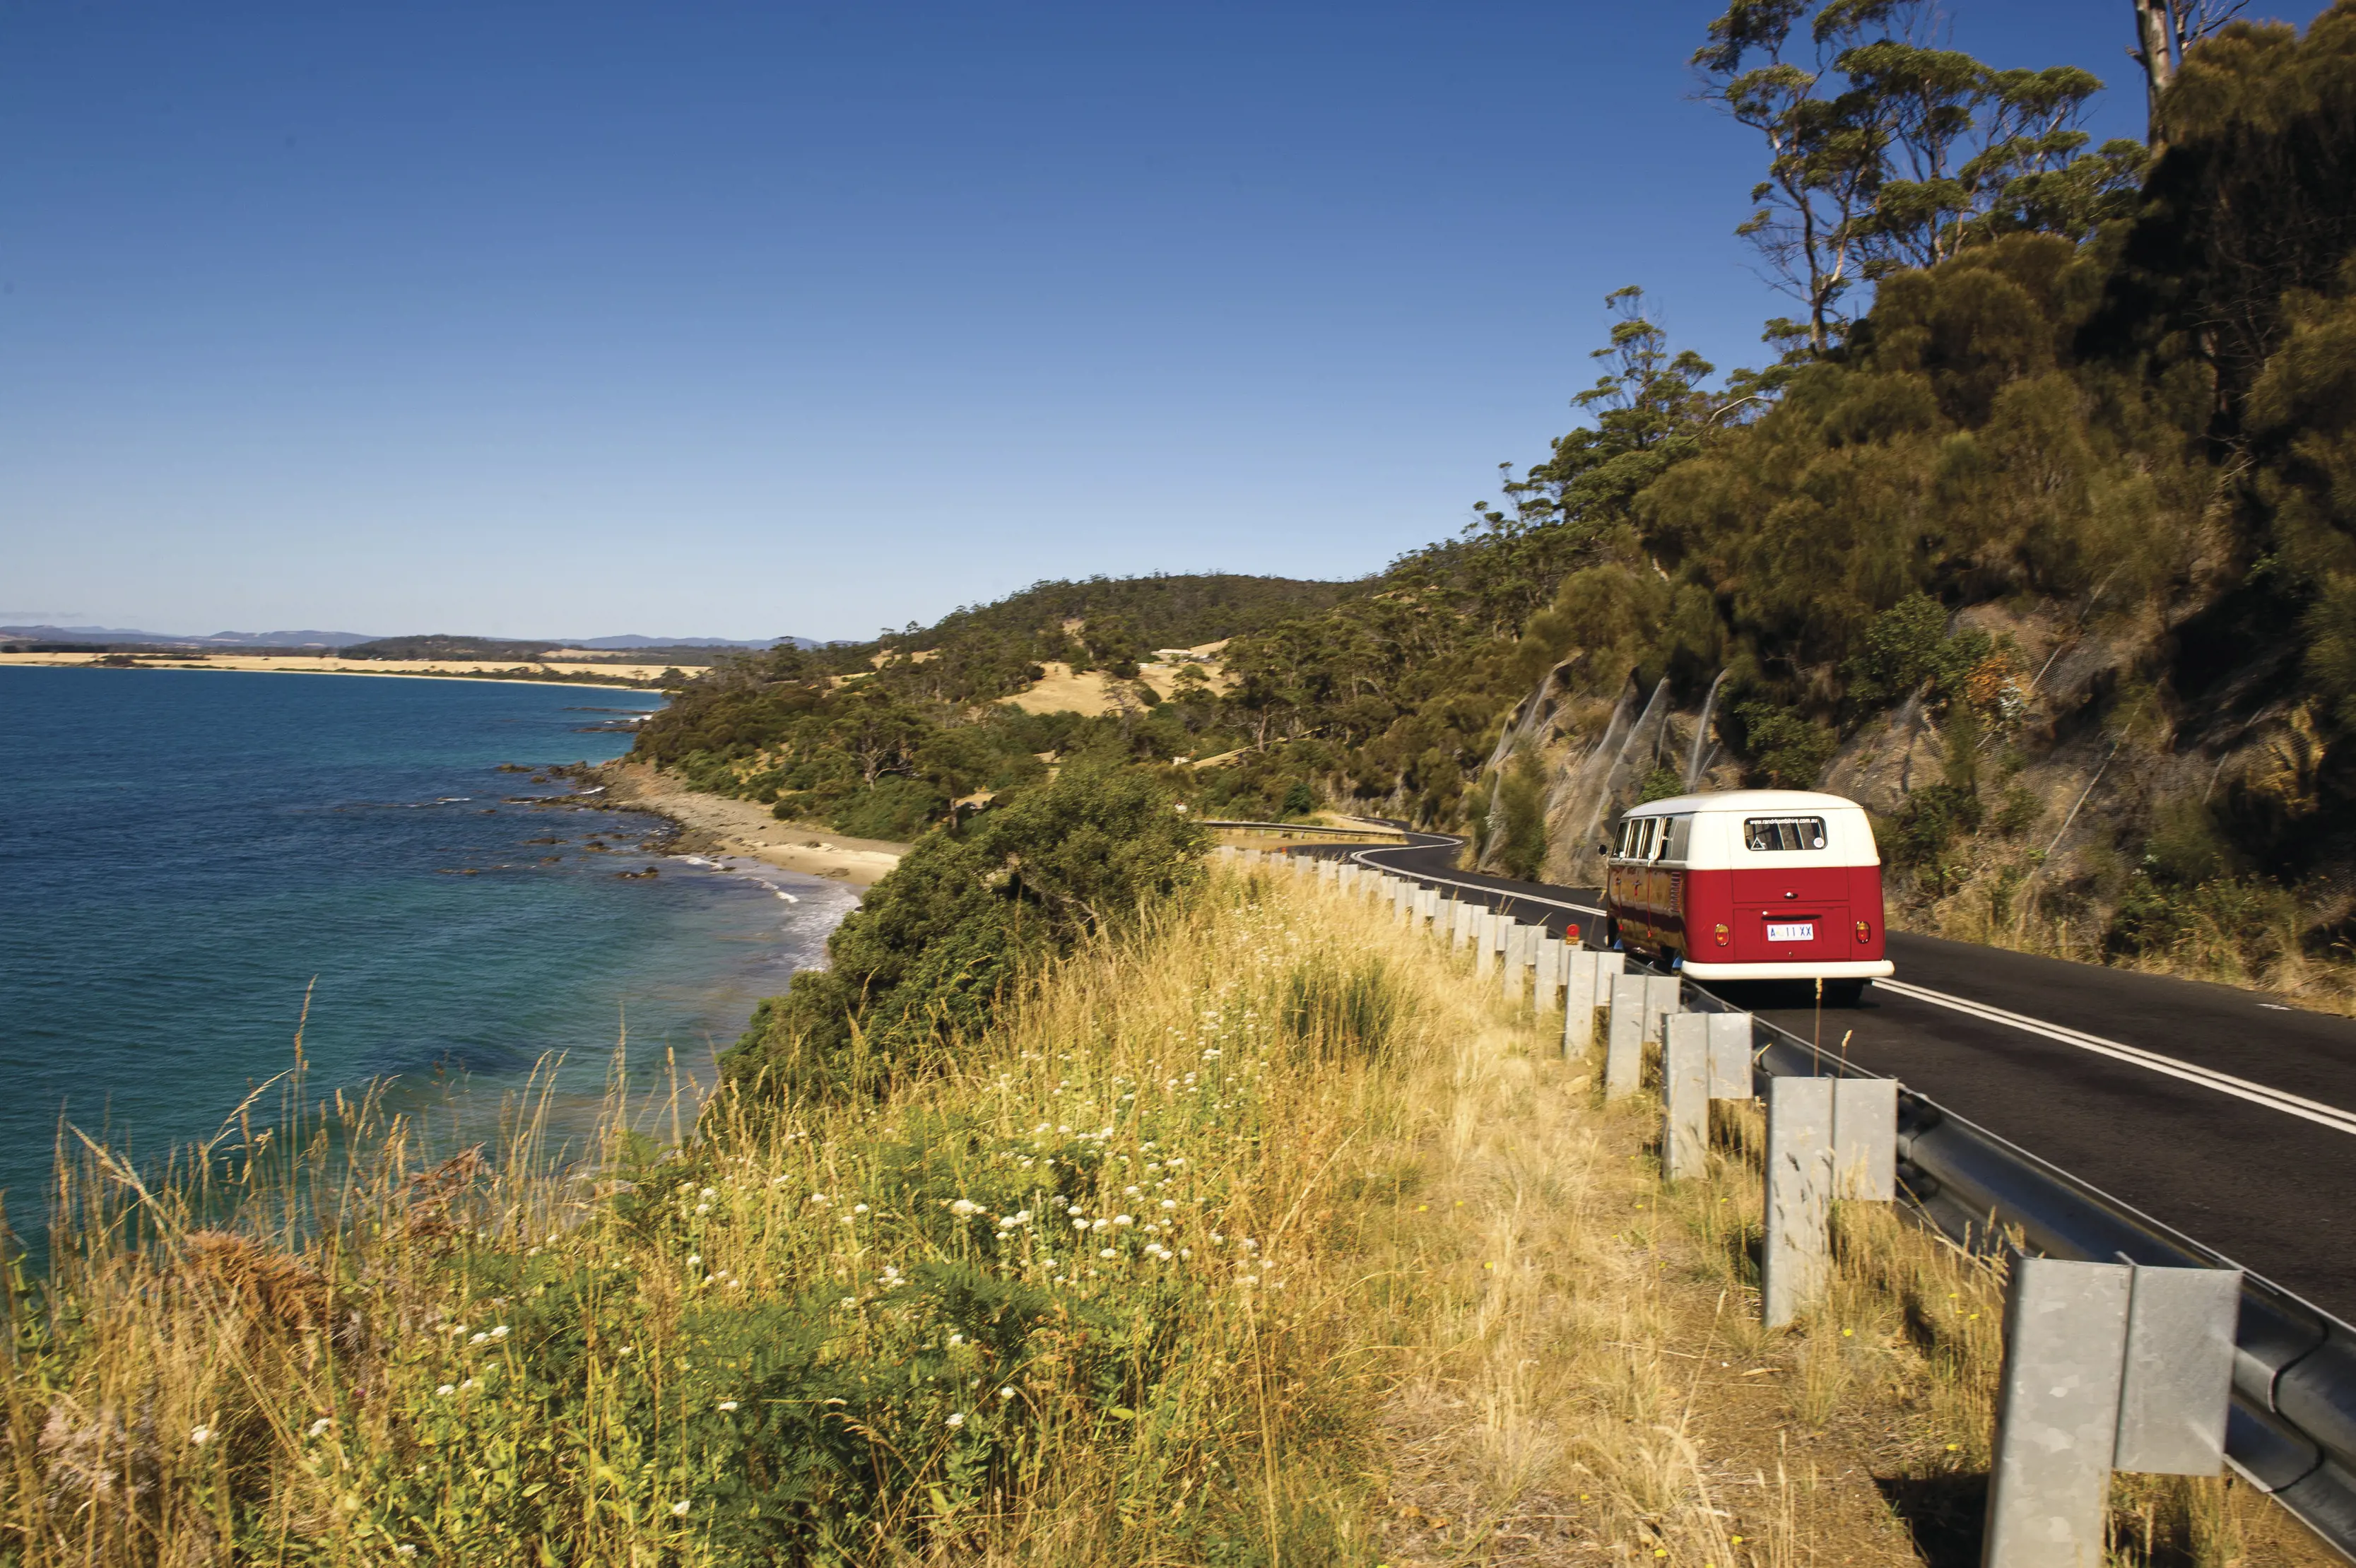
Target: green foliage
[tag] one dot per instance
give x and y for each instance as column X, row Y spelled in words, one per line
column 1299, row 800
column 937, row 944
column 1521, row 810
column 1661, row 784
column 1786, row 750
column 1906, row 646
column 1927, row 826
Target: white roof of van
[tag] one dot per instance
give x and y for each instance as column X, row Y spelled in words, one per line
column 1744, row 800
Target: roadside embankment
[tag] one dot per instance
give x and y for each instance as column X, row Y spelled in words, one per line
column 1266, row 1234
column 718, row 824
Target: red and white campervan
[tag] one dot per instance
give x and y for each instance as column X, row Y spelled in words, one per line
column 1759, row 884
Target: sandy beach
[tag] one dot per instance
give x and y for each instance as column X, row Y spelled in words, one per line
column 553, row 672
column 721, row 824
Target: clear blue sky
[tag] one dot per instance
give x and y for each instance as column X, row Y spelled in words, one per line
column 740, row 320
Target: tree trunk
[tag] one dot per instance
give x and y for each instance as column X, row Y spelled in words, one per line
column 2151, row 48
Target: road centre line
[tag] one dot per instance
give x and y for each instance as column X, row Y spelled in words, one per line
column 2208, row 1078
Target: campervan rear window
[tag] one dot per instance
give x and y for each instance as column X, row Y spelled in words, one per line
column 1783, row 832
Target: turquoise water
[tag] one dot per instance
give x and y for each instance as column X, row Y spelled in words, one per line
column 184, row 852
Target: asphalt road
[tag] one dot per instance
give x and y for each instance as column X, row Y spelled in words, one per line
column 2232, row 1119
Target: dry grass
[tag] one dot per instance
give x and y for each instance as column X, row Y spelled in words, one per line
column 2246, row 934
column 1368, row 1276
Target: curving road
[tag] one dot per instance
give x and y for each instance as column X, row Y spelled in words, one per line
column 2220, row 1112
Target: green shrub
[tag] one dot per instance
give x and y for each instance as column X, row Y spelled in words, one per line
column 1661, row 784
column 1521, row 801
column 935, row 945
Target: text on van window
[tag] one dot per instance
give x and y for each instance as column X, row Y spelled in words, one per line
column 1783, row 832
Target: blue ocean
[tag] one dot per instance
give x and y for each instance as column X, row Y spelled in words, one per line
column 184, row 853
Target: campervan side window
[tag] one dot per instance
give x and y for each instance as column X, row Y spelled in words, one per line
column 1680, row 835
column 1783, row 832
column 1646, row 838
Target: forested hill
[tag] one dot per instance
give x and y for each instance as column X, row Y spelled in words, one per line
column 1162, row 611
column 2040, row 538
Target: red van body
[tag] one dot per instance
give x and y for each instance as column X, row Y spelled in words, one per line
column 1751, row 885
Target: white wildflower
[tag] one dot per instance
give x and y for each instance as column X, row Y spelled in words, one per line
column 447, row 1390
column 201, row 1435
column 957, row 1419
column 709, row 1192
column 1107, row 1253
column 321, row 1425
column 678, row 1509
column 727, row 1404
column 1122, row 1220
column 499, row 1331
column 703, row 1207
column 1169, row 1204
column 693, row 1259
column 859, row 1208
column 963, row 1207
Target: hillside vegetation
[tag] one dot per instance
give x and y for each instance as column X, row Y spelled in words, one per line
column 2038, row 538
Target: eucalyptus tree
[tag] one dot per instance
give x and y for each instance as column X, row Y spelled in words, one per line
column 1887, row 150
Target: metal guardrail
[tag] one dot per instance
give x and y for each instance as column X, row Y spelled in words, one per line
column 2292, row 1429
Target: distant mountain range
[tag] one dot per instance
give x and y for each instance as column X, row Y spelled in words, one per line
column 312, row 639
column 218, row 639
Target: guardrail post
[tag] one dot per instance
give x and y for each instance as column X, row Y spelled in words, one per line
column 1552, row 956
column 1685, row 1096
column 2176, row 1385
column 1590, row 987
column 1799, row 1197
column 1460, row 930
column 1624, row 1048
column 1516, row 954
column 1663, row 995
column 1730, row 1057
column 2106, row 1367
column 2065, row 1331
column 1484, row 941
column 1865, row 1139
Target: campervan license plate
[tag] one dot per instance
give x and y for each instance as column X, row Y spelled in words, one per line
column 1791, row 934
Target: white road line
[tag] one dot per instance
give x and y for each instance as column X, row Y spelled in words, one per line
column 2208, row 1078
